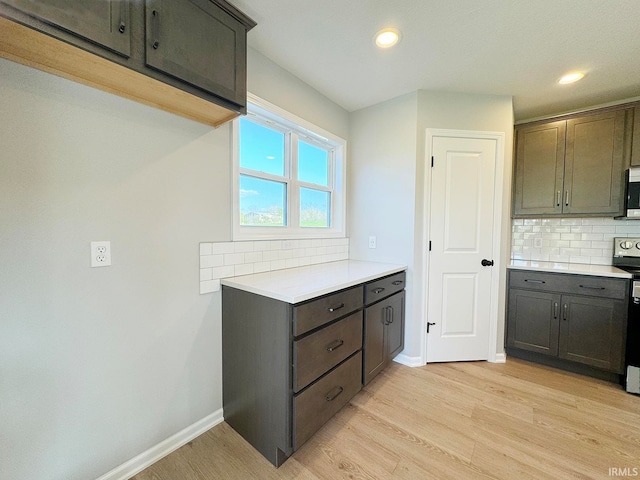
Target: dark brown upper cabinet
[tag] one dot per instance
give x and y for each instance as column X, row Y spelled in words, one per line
column 187, row 57
column 635, row 149
column 106, row 23
column 211, row 56
column 573, row 166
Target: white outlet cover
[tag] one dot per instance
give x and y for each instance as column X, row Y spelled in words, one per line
column 100, row 254
column 372, row 241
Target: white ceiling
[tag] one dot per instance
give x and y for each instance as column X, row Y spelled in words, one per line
column 501, row 47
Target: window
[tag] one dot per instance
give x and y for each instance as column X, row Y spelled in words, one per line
column 289, row 176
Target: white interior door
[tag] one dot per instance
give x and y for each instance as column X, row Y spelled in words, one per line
column 461, row 235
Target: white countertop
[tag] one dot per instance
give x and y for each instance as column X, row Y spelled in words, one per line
column 572, row 268
column 295, row 285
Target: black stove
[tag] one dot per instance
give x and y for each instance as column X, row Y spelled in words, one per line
column 626, row 256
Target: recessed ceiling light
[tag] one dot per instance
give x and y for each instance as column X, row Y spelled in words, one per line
column 387, row 37
column 570, row 78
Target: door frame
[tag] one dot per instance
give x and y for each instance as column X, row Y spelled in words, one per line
column 497, row 220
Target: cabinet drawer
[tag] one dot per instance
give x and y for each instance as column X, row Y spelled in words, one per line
column 384, row 287
column 316, row 313
column 592, row 286
column 614, row 288
column 313, row 407
column 321, row 351
column 537, row 281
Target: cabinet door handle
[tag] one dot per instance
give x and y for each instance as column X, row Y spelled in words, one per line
column 335, row 345
column 390, row 315
column 155, row 20
column 338, row 307
column 122, row 24
column 558, row 198
column 555, row 310
column 566, row 198
column 428, row 325
column 333, row 394
column 378, row 290
column 564, row 314
column 592, row 287
column 397, row 282
column 534, row 281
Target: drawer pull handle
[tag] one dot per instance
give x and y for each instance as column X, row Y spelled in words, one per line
column 155, row 25
column 333, row 394
column 333, row 309
column 334, row 345
column 534, row 281
column 592, row 287
column 555, row 310
column 378, row 290
column 397, row 282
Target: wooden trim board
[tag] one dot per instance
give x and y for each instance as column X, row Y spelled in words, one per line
column 34, row 49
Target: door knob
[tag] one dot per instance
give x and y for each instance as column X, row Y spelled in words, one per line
column 486, row 263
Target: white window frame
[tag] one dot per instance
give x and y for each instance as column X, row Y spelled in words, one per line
column 264, row 112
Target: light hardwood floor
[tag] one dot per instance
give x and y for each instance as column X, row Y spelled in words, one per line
column 471, row 420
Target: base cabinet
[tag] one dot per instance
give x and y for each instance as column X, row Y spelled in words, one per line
column 575, row 318
column 288, row 368
column 383, row 334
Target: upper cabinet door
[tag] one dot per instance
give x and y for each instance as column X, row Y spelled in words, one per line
column 635, row 148
column 194, row 40
column 104, row 22
column 539, row 169
column 594, row 164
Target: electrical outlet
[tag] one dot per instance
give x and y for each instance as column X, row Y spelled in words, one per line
column 372, row 241
column 537, row 243
column 100, row 254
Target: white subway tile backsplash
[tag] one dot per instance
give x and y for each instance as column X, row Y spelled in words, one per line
column 244, row 269
column 223, row 272
column 228, row 259
column 233, row 258
column 242, row 247
column 206, row 248
column 253, row 257
column 206, row 274
column 278, row 264
column 581, row 240
column 222, row 248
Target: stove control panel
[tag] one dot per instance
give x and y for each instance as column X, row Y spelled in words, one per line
column 626, row 247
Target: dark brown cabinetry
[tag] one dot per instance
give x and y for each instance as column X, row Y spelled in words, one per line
column 288, row 368
column 383, row 324
column 183, row 56
column 575, row 318
column 106, row 23
column 573, row 166
column 635, row 148
column 199, row 43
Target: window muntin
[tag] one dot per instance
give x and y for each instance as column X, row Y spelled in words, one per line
column 262, row 202
column 309, row 199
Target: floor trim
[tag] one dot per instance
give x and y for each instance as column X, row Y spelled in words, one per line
column 409, row 361
column 164, row 448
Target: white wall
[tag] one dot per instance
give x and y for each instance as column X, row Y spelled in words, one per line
column 382, row 195
column 276, row 85
column 387, row 149
column 98, row 365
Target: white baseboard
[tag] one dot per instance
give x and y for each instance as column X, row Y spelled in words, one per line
column 409, row 361
column 164, row 448
column 500, row 358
